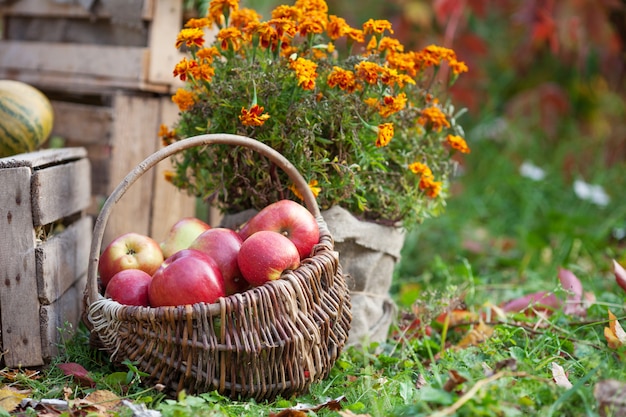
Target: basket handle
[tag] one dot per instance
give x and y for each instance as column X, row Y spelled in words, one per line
column 163, row 153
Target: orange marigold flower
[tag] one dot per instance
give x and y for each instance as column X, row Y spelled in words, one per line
column 368, row 71
column 391, row 77
column 420, row 168
column 337, row 27
column 198, row 23
column 385, row 134
column 190, row 37
column 243, row 17
column 254, row 116
column 387, row 44
column 207, row 54
column 287, row 12
column 312, row 6
column 404, row 61
column 355, row 35
column 427, row 182
column 219, row 8
column 268, row 37
column 458, row 67
column 345, row 79
column 184, row 99
column 458, row 143
column 433, row 117
column 440, row 53
column 169, row 175
column 204, row 71
column 313, row 23
column 167, row 136
column 284, row 27
column 230, row 36
column 313, row 186
column 430, row 187
column 371, row 101
column 184, row 69
column 391, row 105
column 372, row 44
column 377, row 26
column 306, row 72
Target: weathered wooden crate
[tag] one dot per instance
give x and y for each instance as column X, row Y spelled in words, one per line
column 45, row 236
column 119, row 130
column 91, row 45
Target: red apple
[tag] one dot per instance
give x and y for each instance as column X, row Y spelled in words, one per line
column 129, row 251
column 187, row 277
column 223, row 245
column 265, row 255
column 289, row 218
column 129, row 287
column 181, row 234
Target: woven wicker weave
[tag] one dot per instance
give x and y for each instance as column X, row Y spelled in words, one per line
column 272, row 340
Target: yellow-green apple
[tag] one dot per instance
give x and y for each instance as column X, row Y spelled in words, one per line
column 223, row 245
column 290, row 219
column 181, row 234
column 265, row 255
column 129, row 287
column 187, row 277
column 129, row 251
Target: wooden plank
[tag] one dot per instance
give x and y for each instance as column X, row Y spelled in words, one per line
column 79, row 83
column 62, row 259
column 61, row 190
column 56, row 9
column 59, row 320
column 43, row 157
column 105, row 61
column 82, row 124
column 21, row 338
column 136, row 123
column 169, row 204
column 162, row 37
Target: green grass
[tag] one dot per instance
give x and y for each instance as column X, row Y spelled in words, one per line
column 501, row 236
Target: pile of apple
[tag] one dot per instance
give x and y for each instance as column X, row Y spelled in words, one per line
column 198, row 263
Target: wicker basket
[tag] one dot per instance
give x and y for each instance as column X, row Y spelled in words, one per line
column 272, row 340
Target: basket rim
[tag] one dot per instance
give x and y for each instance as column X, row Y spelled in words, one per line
column 310, row 202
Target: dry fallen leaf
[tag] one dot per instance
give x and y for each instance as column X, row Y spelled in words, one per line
column 559, row 376
column 300, row 409
column 614, row 334
column 476, row 336
column 10, row 398
column 79, row 373
column 620, row 274
column 106, row 399
column 610, row 397
column 455, row 380
column 541, row 300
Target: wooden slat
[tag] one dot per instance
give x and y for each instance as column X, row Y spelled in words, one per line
column 21, row 337
column 62, row 259
column 134, row 132
column 100, row 61
column 82, row 124
column 54, row 9
column 169, row 204
column 59, row 320
column 79, row 83
column 59, row 191
column 43, row 157
column 162, row 37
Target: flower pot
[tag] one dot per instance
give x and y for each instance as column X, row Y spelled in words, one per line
column 368, row 253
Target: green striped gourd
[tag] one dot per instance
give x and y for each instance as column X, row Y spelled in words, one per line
column 26, row 118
